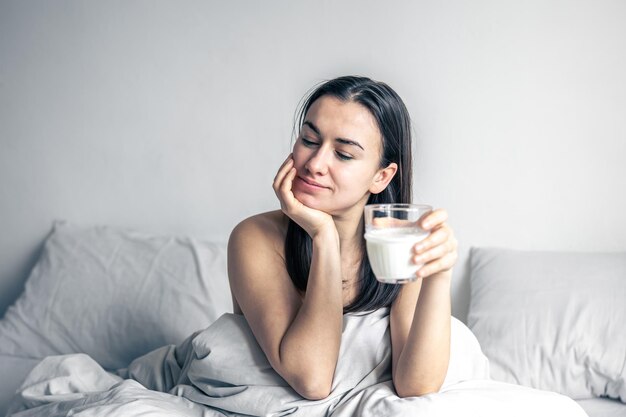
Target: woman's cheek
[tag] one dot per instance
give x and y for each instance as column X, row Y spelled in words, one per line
column 357, row 180
column 299, row 156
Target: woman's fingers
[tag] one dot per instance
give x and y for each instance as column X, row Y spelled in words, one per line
column 279, row 182
column 283, row 182
column 288, row 180
column 434, row 218
column 437, row 237
column 283, row 167
column 282, row 171
column 286, row 195
column 440, row 264
column 438, row 252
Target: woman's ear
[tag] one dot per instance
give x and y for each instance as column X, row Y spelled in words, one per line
column 383, row 177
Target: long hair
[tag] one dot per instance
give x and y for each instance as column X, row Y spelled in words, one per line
column 394, row 124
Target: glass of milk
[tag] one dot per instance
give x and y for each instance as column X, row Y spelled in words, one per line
column 391, row 231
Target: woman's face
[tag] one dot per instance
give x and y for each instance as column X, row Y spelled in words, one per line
column 337, row 156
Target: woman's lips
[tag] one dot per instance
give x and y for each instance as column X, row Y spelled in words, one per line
column 308, row 183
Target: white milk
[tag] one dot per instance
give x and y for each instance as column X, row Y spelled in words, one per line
column 390, row 252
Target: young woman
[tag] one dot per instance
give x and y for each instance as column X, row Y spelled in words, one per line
column 294, row 272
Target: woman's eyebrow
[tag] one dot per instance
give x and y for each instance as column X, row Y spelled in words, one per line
column 349, row 142
column 312, row 126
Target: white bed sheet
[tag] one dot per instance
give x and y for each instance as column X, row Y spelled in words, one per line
column 603, row 407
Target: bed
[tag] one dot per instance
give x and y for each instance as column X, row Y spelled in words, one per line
column 121, row 322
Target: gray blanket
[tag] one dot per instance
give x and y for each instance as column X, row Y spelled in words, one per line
column 222, row 371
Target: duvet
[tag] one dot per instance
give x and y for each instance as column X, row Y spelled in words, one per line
column 221, row 371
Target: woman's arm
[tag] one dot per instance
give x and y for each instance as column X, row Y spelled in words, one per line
column 310, row 347
column 300, row 338
column 420, row 316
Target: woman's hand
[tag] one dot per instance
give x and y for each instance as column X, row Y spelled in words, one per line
column 311, row 220
column 438, row 252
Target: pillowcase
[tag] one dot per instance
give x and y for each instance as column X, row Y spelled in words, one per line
column 115, row 294
column 552, row 320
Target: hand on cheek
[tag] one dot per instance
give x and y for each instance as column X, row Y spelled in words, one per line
column 311, row 220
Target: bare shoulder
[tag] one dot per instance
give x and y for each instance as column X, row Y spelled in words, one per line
column 256, row 264
column 262, row 232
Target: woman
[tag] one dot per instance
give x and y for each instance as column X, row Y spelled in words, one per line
column 295, row 271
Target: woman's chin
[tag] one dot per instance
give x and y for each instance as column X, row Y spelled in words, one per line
column 310, row 201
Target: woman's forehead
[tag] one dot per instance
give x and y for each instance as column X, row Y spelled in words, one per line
column 344, row 119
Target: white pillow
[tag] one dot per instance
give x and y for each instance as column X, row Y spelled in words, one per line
column 552, row 320
column 115, row 294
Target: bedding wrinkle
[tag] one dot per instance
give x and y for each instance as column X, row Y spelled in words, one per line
column 605, row 383
column 96, row 255
column 145, row 278
column 202, row 274
column 620, row 387
column 598, row 383
column 111, row 259
column 54, row 291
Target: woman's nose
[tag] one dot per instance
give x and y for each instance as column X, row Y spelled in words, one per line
column 318, row 162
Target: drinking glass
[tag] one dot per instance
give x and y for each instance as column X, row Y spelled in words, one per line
column 391, row 232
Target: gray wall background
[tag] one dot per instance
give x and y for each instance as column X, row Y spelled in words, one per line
column 172, row 117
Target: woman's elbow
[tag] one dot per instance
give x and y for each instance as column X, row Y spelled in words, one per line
column 313, row 388
column 315, row 393
column 404, row 391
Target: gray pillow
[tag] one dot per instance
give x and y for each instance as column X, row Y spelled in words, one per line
column 115, row 294
column 552, row 320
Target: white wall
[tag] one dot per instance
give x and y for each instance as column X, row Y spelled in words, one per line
column 172, row 117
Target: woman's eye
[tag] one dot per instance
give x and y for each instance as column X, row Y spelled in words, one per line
column 309, row 144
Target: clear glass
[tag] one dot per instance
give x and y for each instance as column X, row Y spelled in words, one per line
column 391, row 232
